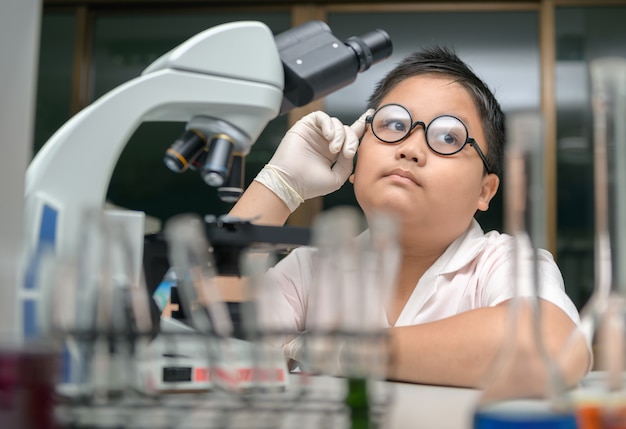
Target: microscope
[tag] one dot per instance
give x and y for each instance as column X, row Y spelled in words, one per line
column 225, row 83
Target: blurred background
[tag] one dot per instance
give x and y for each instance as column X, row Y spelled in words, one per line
column 532, row 54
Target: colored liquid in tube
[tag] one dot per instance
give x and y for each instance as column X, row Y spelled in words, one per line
column 614, row 420
column 597, row 415
column 523, row 414
column 358, row 402
column 515, row 421
column 27, row 380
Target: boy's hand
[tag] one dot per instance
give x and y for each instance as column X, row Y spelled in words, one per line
column 314, row 158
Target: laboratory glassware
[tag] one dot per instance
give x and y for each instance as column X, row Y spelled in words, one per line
column 602, row 402
column 28, row 367
column 191, row 258
column 523, row 386
column 346, row 320
column 103, row 323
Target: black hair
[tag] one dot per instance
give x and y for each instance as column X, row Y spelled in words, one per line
column 443, row 60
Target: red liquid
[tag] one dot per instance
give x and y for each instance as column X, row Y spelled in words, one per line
column 27, row 379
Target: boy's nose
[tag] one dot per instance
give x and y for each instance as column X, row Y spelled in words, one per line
column 414, row 147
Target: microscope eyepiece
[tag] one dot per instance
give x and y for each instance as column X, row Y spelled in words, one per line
column 316, row 63
column 370, row 48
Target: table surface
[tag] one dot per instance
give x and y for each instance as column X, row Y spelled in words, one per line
column 453, row 408
column 407, row 405
column 431, row 406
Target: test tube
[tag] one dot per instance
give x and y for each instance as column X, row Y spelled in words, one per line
column 608, row 80
column 262, row 327
column 346, row 318
column 332, row 295
column 190, row 255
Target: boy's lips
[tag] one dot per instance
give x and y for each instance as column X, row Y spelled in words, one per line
column 404, row 174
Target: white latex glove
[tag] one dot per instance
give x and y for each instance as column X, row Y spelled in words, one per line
column 313, row 159
column 317, row 355
column 339, row 356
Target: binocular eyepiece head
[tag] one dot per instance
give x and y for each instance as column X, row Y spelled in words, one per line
column 316, row 63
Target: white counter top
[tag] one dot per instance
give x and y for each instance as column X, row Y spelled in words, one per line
column 318, row 404
column 432, row 407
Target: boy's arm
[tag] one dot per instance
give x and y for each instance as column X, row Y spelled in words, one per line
column 262, row 205
column 459, row 350
column 313, row 159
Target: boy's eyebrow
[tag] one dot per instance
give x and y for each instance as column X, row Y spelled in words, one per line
column 465, row 119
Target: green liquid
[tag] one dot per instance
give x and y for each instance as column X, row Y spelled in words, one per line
column 358, row 402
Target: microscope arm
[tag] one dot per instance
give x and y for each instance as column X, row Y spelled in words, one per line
column 72, row 171
column 203, row 77
column 226, row 84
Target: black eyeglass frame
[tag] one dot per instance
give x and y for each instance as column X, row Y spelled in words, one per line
column 468, row 140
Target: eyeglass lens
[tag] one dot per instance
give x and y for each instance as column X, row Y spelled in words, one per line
column 445, row 134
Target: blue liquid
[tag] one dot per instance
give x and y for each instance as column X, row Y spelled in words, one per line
column 517, row 419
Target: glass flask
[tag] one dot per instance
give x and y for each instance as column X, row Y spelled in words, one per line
column 601, row 402
column 523, row 386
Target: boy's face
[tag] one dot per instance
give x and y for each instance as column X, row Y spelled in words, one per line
column 435, row 193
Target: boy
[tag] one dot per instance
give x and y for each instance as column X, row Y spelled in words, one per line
column 431, row 152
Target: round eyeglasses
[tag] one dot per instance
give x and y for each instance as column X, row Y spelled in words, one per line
column 445, row 135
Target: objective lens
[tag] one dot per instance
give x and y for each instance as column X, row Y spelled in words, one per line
column 184, row 151
column 231, row 190
column 218, row 160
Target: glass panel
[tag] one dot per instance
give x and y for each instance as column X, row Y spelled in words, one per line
column 54, row 85
column 123, row 47
column 501, row 47
column 582, row 34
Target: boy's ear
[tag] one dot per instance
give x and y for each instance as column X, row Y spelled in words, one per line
column 354, row 161
column 490, row 186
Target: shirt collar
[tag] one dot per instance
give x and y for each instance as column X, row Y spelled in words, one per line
column 462, row 250
column 459, row 253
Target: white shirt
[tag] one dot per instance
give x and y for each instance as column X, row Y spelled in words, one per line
column 473, row 272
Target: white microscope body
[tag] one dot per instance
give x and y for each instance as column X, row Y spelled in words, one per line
column 218, row 73
column 232, row 77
